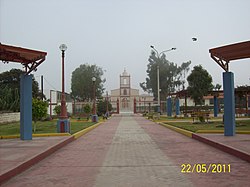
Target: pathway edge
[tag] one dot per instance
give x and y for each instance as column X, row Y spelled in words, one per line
column 40, row 156
column 225, row 148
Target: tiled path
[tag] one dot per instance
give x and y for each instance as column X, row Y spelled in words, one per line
column 132, row 151
column 181, row 149
column 134, row 159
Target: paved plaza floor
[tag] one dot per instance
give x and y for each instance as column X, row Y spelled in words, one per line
column 129, row 151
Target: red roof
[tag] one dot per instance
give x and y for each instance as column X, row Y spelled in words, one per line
column 223, row 55
column 27, row 57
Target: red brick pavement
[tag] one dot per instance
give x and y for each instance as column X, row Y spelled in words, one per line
column 239, row 141
column 76, row 164
column 183, row 150
column 18, row 155
column 79, row 163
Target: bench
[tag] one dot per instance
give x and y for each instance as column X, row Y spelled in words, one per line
column 154, row 116
column 200, row 114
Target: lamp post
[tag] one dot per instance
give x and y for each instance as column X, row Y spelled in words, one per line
column 107, row 107
column 94, row 116
column 158, row 75
column 63, row 115
column 63, row 124
column 158, row 90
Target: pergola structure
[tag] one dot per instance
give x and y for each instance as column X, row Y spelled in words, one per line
column 30, row 59
column 222, row 56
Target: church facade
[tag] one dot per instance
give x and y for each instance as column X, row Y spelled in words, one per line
column 127, row 99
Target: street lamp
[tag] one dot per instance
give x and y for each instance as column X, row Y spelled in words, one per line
column 107, row 105
column 158, row 74
column 63, row 48
column 94, row 116
column 159, row 54
column 63, row 124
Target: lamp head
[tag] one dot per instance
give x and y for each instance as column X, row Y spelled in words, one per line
column 63, row 47
column 173, row 48
column 152, row 46
column 93, row 79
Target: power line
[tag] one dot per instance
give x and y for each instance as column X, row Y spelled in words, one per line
column 49, row 83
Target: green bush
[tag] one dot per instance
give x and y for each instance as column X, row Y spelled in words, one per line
column 202, row 119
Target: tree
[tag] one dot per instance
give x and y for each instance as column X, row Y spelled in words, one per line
column 39, row 110
column 184, row 70
column 102, row 107
column 171, row 76
column 57, row 110
column 81, row 82
column 217, row 87
column 87, row 110
column 242, row 96
column 9, row 99
column 10, row 90
column 199, row 84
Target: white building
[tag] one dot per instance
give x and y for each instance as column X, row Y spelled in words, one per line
column 55, row 99
column 128, row 98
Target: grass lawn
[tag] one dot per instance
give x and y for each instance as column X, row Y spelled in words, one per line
column 165, row 118
column 43, row 127
column 240, row 125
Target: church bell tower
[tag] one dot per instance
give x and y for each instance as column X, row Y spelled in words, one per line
column 125, row 90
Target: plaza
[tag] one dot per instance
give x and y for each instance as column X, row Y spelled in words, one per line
column 123, row 151
column 124, row 93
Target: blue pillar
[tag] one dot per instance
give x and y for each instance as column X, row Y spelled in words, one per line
column 248, row 114
column 26, row 107
column 229, row 104
column 177, row 106
column 215, row 106
column 169, row 106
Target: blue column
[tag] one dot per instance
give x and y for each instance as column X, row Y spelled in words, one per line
column 169, row 106
column 248, row 114
column 26, row 107
column 215, row 106
column 229, row 104
column 177, row 106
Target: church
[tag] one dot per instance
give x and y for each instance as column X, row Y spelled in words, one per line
column 128, row 100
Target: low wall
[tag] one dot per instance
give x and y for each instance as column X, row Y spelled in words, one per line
column 9, row 117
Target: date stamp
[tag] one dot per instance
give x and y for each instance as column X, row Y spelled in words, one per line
column 205, row 168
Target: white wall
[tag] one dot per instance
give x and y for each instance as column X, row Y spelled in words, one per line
column 9, row 117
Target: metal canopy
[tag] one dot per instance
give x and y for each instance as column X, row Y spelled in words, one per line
column 30, row 59
column 223, row 55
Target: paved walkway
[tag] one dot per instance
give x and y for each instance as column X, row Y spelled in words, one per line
column 134, row 159
column 239, row 141
column 132, row 151
column 17, row 155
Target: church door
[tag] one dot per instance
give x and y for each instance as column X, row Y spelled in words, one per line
column 125, row 103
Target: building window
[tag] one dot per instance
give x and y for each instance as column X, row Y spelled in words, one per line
column 125, row 92
column 124, row 81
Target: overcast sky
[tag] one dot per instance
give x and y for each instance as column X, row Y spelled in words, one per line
column 117, row 34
